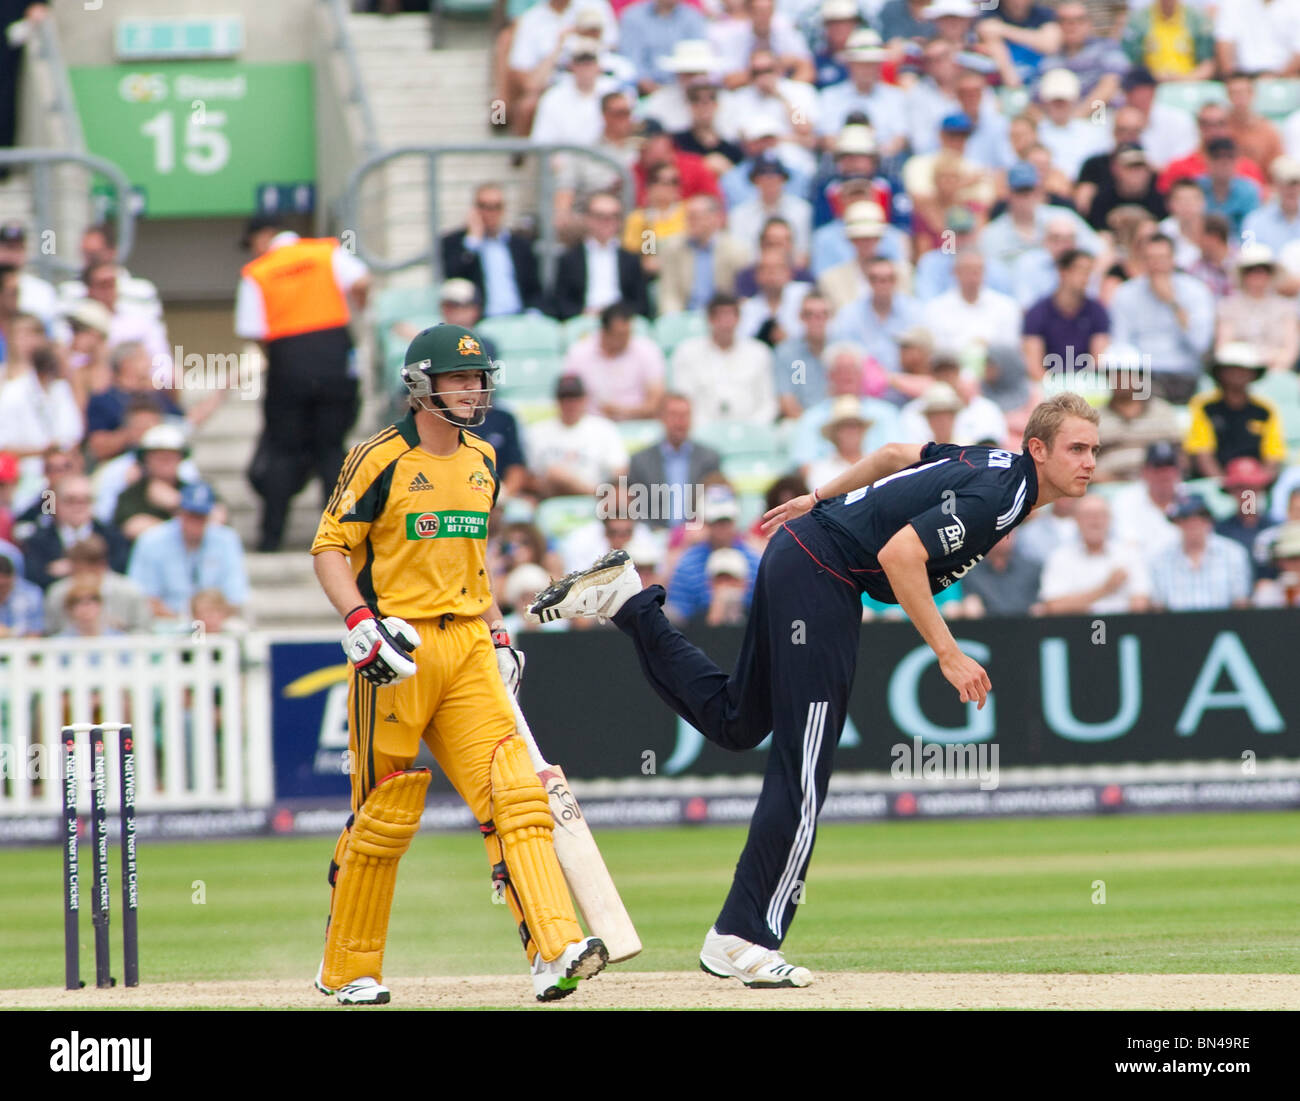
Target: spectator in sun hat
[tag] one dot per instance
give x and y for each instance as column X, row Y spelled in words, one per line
column 1257, row 314
column 1230, row 421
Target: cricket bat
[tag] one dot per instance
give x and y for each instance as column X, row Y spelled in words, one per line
column 589, row 881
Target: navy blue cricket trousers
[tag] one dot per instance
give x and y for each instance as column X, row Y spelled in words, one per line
column 792, row 679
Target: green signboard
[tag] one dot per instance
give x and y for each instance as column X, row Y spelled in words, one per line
column 201, row 138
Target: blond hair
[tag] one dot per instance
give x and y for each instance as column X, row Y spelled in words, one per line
column 1048, row 416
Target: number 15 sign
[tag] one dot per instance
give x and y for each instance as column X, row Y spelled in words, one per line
column 198, row 138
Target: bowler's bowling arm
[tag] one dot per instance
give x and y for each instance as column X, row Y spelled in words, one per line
column 882, row 462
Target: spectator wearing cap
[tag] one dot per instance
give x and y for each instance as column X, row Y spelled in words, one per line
column 1169, row 316
column 689, row 590
column 1129, row 181
column 772, row 200
column 1131, row 421
column 1282, row 588
column 1023, row 224
column 1141, row 510
column 1097, row 173
column 499, row 263
column 700, row 262
column 1017, row 35
column 846, row 363
column 772, row 313
column 1097, row 575
column 35, row 296
column 728, row 573
column 884, row 105
column 759, row 26
column 578, row 178
column 459, row 303
column 155, row 495
column 1098, row 63
column 651, row 32
column 878, row 317
column 1005, row 583
column 1257, row 314
column 856, row 163
column 577, row 451
column 623, row 373
column 661, row 220
column 1256, row 137
column 1036, row 272
column 953, row 406
column 953, row 22
column 1203, row 571
column 675, row 466
column 1212, row 121
column 726, row 376
column 1286, row 505
column 830, row 242
column 133, row 381
column 1069, row 138
column 186, row 554
column 1229, row 421
column 542, row 35
column 845, row 430
column 965, row 183
column 124, row 606
column 838, row 20
column 596, row 272
column 692, row 64
column 1277, row 223
column 22, row 613
column 864, row 226
column 296, row 297
column 971, row 314
column 760, row 138
column 68, row 521
column 798, row 364
column 1168, row 133
column 1227, row 193
column 38, row 410
column 1261, row 37
column 1172, row 39
column 1246, row 481
column 99, row 246
column 791, row 105
column 702, row 133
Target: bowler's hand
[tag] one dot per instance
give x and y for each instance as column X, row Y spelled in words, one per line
column 968, row 677
column 783, row 514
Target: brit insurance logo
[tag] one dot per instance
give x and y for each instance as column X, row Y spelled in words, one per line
column 952, row 536
column 426, row 525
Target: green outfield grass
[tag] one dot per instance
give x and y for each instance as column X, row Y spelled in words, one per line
column 1182, row 894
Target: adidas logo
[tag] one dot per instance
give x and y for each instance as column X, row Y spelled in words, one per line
column 391, row 717
column 418, row 483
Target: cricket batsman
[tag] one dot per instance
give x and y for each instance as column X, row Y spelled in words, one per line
column 401, row 554
column 901, row 524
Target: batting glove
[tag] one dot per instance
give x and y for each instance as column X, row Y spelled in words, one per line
column 510, row 662
column 378, row 648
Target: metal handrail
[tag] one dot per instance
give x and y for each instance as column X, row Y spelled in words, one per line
column 350, row 208
column 41, row 162
column 338, row 13
column 63, row 103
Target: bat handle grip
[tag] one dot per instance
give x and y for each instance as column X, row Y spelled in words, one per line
column 522, row 729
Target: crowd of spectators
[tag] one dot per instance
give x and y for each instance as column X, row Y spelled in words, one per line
column 906, row 220
column 106, row 526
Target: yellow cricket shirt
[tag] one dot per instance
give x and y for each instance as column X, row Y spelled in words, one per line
column 414, row 524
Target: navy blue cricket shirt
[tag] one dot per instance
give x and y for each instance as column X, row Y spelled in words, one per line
column 960, row 501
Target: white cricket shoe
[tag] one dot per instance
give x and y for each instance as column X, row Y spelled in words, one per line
column 319, row 981
column 364, row 991
column 600, row 591
column 730, row 957
column 583, row 959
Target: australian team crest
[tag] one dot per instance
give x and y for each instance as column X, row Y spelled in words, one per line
column 468, row 346
column 478, row 480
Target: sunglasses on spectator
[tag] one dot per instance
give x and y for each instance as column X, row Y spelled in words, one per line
column 490, row 206
column 761, row 72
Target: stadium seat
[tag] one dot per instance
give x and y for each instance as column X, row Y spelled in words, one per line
column 1277, row 99
column 1220, row 503
column 528, row 333
column 1013, row 100
column 1189, row 95
column 673, row 328
column 532, row 377
column 732, row 439
column 754, row 474
column 556, row 517
column 397, row 303
column 1282, row 388
column 639, row 434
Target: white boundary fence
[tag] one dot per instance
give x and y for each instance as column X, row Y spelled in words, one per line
column 202, row 733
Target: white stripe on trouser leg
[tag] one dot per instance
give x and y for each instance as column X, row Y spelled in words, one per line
column 814, row 727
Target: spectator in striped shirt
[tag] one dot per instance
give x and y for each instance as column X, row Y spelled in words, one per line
column 1203, row 571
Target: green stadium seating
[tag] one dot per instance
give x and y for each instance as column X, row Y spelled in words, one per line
column 1013, row 100
column 754, row 474
column 523, row 334
column 530, row 378
column 1282, row 388
column 673, row 328
column 639, row 434
column 1221, row 504
column 556, row 517
column 1189, row 95
column 1277, row 99
column 397, row 303
column 733, row 439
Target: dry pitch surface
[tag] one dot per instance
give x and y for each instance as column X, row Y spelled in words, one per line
column 687, row 990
